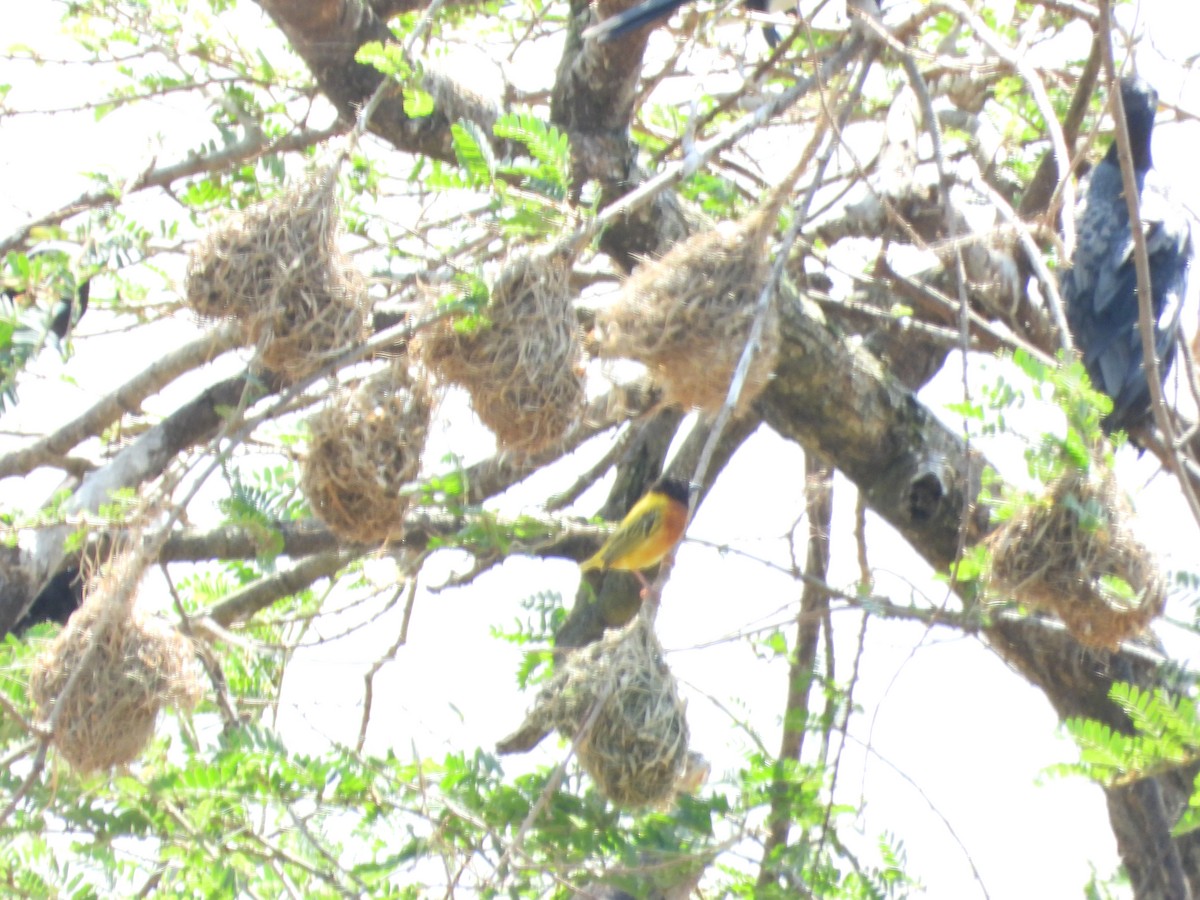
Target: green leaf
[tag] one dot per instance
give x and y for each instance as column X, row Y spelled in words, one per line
column 388, row 58
column 417, row 103
column 972, row 565
column 473, row 152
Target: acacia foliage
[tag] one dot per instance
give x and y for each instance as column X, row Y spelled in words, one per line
column 447, row 178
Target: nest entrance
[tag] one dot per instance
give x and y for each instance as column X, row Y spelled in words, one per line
column 276, row 269
column 130, row 664
column 687, row 316
column 1073, row 555
column 365, row 447
column 523, row 371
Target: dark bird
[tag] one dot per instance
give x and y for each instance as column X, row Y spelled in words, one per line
column 69, row 310
column 651, row 11
column 1100, row 290
column 49, row 273
column 649, row 531
column 61, row 596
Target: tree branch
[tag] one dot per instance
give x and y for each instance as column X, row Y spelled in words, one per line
column 125, row 399
column 257, row 596
column 915, row 474
column 814, row 609
column 218, row 161
column 328, row 33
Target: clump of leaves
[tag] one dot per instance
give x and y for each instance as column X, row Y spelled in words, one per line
column 1164, row 734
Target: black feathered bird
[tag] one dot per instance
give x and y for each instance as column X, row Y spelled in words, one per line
column 651, row 11
column 69, row 310
column 1100, row 290
column 72, row 292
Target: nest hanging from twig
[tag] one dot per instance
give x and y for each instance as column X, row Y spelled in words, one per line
column 523, row 370
column 130, row 664
column 687, row 316
column 636, row 748
column 1072, row 554
column 276, row 269
column 365, row 447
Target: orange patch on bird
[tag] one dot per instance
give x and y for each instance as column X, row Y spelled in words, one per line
column 649, row 531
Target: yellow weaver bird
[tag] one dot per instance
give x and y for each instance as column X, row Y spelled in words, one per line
column 647, row 533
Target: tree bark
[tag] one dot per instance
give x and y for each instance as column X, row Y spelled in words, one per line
column 829, row 395
column 832, row 398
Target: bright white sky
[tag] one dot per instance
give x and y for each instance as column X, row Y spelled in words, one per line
column 954, row 736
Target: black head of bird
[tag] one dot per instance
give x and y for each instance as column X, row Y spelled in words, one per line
column 1140, row 102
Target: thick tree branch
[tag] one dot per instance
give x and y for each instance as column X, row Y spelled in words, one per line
column 125, row 399
column 836, row 400
column 328, row 33
column 297, row 539
column 610, row 599
column 916, row 473
column 829, row 395
column 147, row 457
column 22, row 577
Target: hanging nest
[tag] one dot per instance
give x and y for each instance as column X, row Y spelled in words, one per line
column 276, row 268
column 687, row 316
column 1068, row 553
column 137, row 664
column 365, row 447
column 637, row 747
column 523, row 370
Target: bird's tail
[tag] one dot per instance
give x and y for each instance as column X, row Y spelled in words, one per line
column 622, row 23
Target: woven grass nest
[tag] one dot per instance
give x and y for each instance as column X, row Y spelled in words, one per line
column 523, row 371
column 139, row 664
column 276, row 269
column 1059, row 554
column 637, row 748
column 687, row 316
column 365, row 447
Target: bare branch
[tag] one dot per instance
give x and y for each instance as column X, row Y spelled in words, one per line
column 242, row 605
column 814, row 607
column 125, row 399
column 162, row 176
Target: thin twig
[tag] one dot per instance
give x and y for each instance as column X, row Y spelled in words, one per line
column 1040, row 98
column 211, row 667
column 219, row 161
column 1048, row 282
column 799, row 218
column 705, row 151
column 14, row 714
column 848, row 709
column 409, row 587
column 928, row 802
column 552, row 785
column 813, row 614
